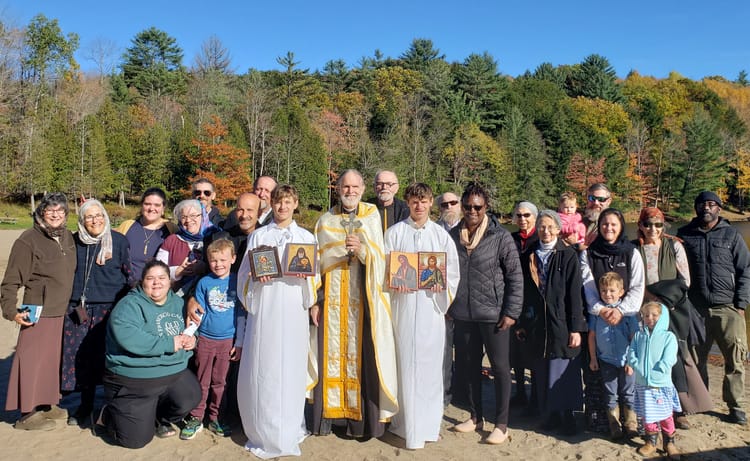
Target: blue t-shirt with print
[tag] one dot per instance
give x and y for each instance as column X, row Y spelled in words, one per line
column 218, row 298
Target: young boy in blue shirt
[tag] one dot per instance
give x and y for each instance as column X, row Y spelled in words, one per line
column 608, row 349
column 222, row 322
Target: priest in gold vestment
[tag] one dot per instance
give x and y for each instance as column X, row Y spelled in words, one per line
column 356, row 360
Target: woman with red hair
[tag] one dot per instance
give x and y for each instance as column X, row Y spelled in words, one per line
column 667, row 280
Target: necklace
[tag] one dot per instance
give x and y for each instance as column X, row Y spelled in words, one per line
column 146, row 239
column 88, row 265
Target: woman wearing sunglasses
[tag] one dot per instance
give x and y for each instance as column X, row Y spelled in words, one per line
column 488, row 302
column 524, row 216
column 663, row 254
column 667, row 280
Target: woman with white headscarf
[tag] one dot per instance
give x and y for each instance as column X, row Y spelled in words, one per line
column 102, row 277
column 552, row 322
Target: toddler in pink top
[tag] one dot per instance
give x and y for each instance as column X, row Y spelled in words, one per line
column 572, row 222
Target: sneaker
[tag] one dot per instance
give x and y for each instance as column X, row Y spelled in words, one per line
column 81, row 416
column 192, row 426
column 219, row 429
column 165, row 430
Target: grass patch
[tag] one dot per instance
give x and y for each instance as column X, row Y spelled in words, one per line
column 117, row 214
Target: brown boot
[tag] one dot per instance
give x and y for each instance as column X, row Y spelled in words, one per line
column 631, row 422
column 669, row 447
column 648, row 448
column 615, row 429
column 681, row 421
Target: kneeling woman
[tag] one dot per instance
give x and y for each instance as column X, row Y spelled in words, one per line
column 147, row 385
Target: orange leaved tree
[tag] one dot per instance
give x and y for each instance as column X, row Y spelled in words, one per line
column 226, row 166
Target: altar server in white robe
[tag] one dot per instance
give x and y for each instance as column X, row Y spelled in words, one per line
column 419, row 320
column 273, row 372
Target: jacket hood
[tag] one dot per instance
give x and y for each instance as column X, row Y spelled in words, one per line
column 138, row 291
column 662, row 324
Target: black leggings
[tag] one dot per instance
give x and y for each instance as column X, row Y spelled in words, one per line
column 134, row 405
column 472, row 339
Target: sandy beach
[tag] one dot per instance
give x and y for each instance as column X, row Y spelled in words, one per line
column 710, row 438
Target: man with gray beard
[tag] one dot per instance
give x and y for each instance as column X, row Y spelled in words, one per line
column 356, row 359
column 450, row 216
column 450, row 210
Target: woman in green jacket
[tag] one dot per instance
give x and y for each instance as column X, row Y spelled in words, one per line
column 147, row 385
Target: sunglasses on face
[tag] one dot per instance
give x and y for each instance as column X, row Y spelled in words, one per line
column 595, row 198
column 523, row 215
column 198, row 193
column 468, row 207
column 449, row 204
column 657, row 225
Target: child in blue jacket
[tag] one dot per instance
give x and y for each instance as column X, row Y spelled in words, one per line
column 652, row 354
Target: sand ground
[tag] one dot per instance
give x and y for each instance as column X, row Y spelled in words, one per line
column 710, row 438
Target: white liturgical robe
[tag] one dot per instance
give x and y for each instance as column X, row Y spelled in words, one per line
column 419, row 326
column 273, row 375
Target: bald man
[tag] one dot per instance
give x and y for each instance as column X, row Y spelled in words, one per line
column 263, row 187
column 390, row 208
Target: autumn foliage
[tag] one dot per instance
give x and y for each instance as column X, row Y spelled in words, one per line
column 226, row 166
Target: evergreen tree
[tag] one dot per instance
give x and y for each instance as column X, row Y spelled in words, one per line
column 479, row 80
column 420, row 54
column 595, row 78
column 153, row 64
column 702, row 166
column 335, row 75
column 525, row 147
column 548, row 73
column 742, row 78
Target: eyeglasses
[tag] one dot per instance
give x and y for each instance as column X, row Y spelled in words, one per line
column 523, row 215
column 92, row 218
column 596, row 198
column 190, row 217
column 657, row 225
column 59, row 212
column 385, row 184
column 449, row 204
column 468, row 207
column 198, row 193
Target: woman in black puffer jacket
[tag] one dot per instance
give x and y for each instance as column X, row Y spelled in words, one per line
column 487, row 304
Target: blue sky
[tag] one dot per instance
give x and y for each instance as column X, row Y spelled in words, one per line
column 694, row 38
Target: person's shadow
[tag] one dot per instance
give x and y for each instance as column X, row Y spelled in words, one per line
column 9, row 417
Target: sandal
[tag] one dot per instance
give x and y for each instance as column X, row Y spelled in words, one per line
column 165, row 430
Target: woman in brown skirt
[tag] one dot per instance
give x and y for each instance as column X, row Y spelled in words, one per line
column 42, row 261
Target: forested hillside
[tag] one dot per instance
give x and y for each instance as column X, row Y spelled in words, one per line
column 148, row 118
